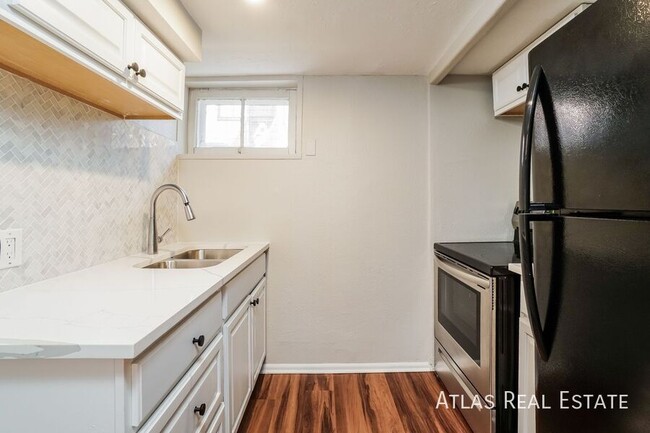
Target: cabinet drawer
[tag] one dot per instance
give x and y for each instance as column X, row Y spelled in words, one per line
column 165, row 73
column 239, row 287
column 101, row 28
column 203, row 403
column 218, row 424
column 167, row 414
column 507, row 82
column 155, row 373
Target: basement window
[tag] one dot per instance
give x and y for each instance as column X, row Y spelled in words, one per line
column 244, row 123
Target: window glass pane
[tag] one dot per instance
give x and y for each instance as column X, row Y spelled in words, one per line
column 266, row 123
column 222, row 126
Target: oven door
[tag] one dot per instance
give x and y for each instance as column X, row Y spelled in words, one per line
column 464, row 320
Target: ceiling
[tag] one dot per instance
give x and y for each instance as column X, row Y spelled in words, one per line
column 337, row 37
column 518, row 27
column 366, row 37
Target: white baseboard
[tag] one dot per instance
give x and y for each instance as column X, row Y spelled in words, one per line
column 387, row 367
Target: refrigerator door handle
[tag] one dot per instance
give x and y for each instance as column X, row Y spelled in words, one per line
column 526, row 251
column 538, row 83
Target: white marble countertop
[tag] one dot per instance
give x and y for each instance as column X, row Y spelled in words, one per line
column 515, row 267
column 114, row 310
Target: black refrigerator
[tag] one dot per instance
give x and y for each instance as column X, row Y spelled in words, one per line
column 585, row 220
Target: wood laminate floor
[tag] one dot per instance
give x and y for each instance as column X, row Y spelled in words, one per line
column 349, row 403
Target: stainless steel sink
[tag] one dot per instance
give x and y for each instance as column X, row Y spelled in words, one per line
column 183, row 264
column 194, row 259
column 206, row 254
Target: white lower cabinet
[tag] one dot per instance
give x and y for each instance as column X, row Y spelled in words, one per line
column 527, row 376
column 245, row 337
column 258, row 327
column 238, row 364
column 197, row 378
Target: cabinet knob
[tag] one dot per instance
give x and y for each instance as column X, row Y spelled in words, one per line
column 257, row 301
column 200, row 409
column 136, row 68
column 522, row 87
column 252, row 302
column 199, row 341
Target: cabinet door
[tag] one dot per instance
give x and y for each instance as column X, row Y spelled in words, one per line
column 527, row 376
column 101, row 28
column 258, row 319
column 508, row 88
column 161, row 72
column 238, row 364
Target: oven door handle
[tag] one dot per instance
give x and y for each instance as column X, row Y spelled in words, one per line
column 463, row 275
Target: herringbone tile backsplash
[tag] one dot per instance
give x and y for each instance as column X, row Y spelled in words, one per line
column 76, row 180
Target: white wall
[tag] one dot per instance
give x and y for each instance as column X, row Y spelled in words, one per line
column 350, row 264
column 474, row 162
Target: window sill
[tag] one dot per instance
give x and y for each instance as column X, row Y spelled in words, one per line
column 209, row 156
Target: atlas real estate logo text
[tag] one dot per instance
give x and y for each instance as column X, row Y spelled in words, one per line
column 511, row 400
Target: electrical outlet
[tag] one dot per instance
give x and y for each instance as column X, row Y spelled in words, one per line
column 11, row 248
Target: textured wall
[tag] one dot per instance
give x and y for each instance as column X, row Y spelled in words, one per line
column 76, row 180
column 350, row 261
column 474, row 177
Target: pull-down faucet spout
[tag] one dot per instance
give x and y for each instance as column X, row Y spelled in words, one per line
column 152, row 235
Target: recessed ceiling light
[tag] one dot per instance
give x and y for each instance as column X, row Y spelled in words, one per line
column 255, row 2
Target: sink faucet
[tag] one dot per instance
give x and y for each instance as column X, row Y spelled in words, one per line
column 152, row 235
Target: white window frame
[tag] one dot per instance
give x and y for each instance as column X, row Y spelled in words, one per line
column 248, row 89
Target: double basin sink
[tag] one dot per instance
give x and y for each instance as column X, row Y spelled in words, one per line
column 194, row 259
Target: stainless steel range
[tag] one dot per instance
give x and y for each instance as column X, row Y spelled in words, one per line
column 476, row 329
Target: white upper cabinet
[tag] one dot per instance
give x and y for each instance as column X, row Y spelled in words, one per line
column 102, row 55
column 511, row 81
column 101, row 28
column 161, row 72
column 509, row 85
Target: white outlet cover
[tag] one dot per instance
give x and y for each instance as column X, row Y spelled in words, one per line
column 11, row 248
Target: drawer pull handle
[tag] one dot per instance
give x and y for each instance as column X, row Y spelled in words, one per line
column 200, row 409
column 522, row 87
column 199, row 341
column 255, row 302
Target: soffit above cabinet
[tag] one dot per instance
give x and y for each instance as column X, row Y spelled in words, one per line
column 172, row 24
column 93, row 52
column 515, row 30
